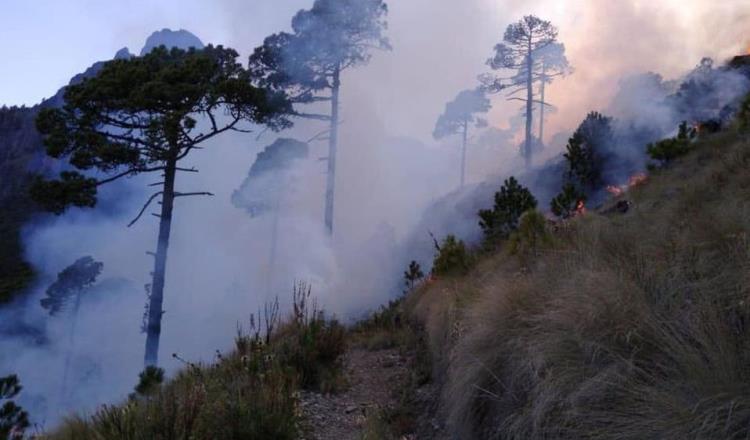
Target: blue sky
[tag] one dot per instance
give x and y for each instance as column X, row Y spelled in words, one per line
column 46, row 42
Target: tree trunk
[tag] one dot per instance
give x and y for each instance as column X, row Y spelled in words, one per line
column 332, row 145
column 71, row 345
column 463, row 153
column 542, row 105
column 153, row 328
column 272, row 253
column 529, row 106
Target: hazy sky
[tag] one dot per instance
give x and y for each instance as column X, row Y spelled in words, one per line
column 46, row 42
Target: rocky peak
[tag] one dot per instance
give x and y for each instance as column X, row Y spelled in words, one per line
column 166, row 37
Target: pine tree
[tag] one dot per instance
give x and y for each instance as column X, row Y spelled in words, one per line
column 521, row 51
column 667, row 150
column 459, row 116
column 329, row 38
column 413, row 275
column 511, row 202
column 71, row 285
column 588, row 151
column 140, row 115
column 566, row 204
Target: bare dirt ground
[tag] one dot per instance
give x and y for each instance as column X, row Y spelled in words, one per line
column 377, row 382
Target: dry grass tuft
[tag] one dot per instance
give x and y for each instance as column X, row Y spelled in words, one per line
column 250, row 394
column 632, row 326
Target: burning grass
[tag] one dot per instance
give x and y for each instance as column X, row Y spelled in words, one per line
column 629, row 327
column 249, row 394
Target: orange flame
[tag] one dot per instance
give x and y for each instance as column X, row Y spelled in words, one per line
column 637, row 179
column 633, row 181
column 615, row 191
column 580, row 208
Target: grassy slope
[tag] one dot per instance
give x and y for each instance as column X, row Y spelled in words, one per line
column 629, row 326
column 633, row 326
column 251, row 393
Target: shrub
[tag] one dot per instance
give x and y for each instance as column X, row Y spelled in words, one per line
column 248, row 394
column 512, row 201
column 312, row 344
column 531, row 235
column 667, row 150
column 453, row 258
column 566, row 204
column 149, row 380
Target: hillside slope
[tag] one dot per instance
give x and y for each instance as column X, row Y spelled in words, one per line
column 626, row 326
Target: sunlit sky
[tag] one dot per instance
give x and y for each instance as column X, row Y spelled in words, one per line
column 46, row 42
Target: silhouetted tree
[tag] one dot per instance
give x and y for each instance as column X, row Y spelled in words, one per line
column 13, row 419
column 522, row 40
column 71, row 284
column 588, row 152
column 413, row 275
column 550, row 62
column 511, row 202
column 264, row 188
column 139, row 115
column 332, row 36
column 459, row 114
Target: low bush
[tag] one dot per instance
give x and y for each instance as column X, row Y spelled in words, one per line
column 666, row 151
column 532, row 235
column 510, row 203
column 251, row 393
column 453, row 257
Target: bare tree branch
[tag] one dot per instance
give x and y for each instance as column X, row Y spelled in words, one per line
column 145, row 206
column 177, row 194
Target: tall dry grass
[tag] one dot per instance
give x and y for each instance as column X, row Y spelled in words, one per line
column 632, row 326
column 251, row 393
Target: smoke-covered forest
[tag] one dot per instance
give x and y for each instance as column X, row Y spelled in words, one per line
column 374, row 219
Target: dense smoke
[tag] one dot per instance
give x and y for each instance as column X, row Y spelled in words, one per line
column 394, row 183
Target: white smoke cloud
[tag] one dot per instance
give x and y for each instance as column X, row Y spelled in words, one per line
column 390, row 171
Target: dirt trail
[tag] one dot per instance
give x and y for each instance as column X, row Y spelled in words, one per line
column 376, row 380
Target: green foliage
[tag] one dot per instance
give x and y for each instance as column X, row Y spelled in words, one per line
column 13, row 419
column 249, row 394
column 413, row 275
column 452, row 258
column 461, row 112
column 19, row 145
column 667, row 150
column 137, row 114
column 315, row 344
column 587, row 151
column 531, row 235
column 565, row 205
column 510, row 203
column 331, row 36
column 72, row 281
column 72, row 189
column 149, row 380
